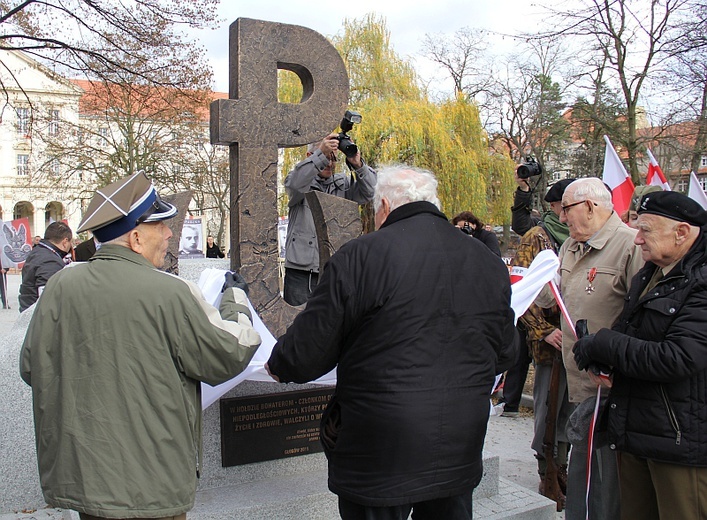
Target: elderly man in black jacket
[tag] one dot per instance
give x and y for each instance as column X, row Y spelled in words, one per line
column 657, row 416
column 417, row 317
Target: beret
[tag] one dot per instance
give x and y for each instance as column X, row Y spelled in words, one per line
column 675, row 206
column 554, row 194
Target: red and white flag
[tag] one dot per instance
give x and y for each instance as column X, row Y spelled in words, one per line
column 695, row 192
column 655, row 176
column 617, row 179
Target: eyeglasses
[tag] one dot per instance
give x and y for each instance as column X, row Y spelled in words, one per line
column 565, row 209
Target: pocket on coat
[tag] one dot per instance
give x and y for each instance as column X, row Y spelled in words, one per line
column 302, row 250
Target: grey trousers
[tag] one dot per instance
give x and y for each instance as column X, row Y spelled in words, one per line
column 604, row 498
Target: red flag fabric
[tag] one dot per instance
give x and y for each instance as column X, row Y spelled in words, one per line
column 655, row 176
column 617, row 179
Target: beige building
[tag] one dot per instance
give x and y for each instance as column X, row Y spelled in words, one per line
column 37, row 101
column 60, row 139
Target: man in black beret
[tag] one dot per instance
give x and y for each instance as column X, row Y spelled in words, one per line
column 657, row 351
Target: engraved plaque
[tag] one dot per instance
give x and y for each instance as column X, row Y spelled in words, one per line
column 271, row 426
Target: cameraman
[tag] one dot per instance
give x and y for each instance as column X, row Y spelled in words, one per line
column 316, row 173
column 521, row 218
column 471, row 225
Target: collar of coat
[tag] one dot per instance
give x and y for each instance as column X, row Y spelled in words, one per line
column 115, row 251
column 601, row 237
column 411, row 209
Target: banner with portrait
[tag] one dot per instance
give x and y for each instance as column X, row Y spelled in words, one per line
column 191, row 243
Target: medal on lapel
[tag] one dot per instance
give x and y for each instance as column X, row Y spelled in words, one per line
column 590, row 278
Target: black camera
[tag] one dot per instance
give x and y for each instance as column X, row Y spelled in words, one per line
column 466, row 228
column 529, row 168
column 346, row 145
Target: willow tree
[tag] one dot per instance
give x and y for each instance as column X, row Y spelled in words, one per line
column 401, row 125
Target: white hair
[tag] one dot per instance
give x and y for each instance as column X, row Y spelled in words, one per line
column 591, row 188
column 401, row 184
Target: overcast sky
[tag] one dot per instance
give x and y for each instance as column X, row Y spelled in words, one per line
column 408, row 22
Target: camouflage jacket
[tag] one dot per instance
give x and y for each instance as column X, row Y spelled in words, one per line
column 536, row 321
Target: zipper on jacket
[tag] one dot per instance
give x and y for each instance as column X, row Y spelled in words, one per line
column 671, row 415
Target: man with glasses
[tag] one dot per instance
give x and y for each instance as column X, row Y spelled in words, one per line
column 597, row 263
column 316, row 173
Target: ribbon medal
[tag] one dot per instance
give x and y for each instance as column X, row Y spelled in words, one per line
column 590, row 278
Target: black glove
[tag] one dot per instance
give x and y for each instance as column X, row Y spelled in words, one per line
column 234, row 279
column 581, row 351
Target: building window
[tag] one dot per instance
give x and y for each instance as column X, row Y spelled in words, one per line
column 22, row 164
column 22, row 120
column 102, row 135
column 53, row 122
column 54, row 167
column 703, row 183
column 703, row 162
column 681, row 185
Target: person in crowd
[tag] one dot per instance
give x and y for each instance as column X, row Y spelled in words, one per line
column 541, row 327
column 86, row 249
column 115, row 354
column 657, row 352
column 522, row 216
column 638, row 193
column 3, row 285
column 49, row 257
column 471, row 225
column 316, row 173
column 416, row 355
column 36, row 240
column 597, row 263
column 212, row 248
column 190, row 243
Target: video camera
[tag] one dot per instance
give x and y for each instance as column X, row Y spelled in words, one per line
column 346, row 145
column 529, row 168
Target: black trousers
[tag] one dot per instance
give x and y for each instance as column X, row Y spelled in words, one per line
column 298, row 285
column 450, row 508
column 516, row 375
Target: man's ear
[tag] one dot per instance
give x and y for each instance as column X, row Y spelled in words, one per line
column 135, row 240
column 682, row 232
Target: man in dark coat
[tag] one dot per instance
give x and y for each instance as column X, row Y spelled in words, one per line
column 418, row 319
column 44, row 261
column 657, row 416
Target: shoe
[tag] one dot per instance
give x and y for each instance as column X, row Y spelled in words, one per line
column 510, row 413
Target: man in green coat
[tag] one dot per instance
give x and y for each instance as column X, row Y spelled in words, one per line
column 115, row 353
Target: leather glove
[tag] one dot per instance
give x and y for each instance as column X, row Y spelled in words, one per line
column 234, row 279
column 581, row 351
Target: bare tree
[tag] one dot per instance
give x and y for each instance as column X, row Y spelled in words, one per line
column 462, row 56
column 636, row 37
column 110, row 40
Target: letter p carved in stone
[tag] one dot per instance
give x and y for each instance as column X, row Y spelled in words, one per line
column 254, row 125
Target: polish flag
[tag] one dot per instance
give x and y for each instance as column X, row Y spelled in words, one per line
column 695, row 192
column 617, row 179
column 655, row 176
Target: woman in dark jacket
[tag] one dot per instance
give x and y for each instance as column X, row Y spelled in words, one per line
column 471, row 225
